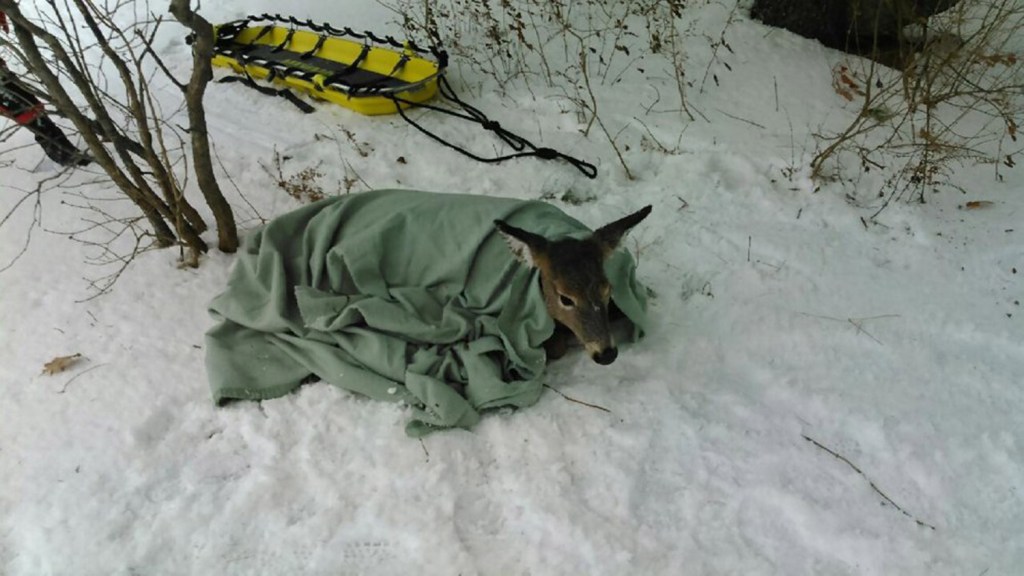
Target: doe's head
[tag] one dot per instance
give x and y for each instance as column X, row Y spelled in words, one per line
column 576, row 291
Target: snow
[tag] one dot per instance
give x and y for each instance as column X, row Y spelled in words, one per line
column 782, row 326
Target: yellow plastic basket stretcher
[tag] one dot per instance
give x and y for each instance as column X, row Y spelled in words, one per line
column 360, row 71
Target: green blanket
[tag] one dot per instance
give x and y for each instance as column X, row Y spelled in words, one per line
column 400, row 295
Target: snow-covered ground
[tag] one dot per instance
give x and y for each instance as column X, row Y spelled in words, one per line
column 816, row 396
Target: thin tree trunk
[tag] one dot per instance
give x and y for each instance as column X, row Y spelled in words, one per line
column 202, row 73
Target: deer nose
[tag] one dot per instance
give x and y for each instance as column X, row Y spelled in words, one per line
column 606, row 356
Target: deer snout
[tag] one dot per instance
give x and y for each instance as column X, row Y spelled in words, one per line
column 606, row 356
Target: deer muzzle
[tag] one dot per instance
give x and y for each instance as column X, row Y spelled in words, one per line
column 606, row 356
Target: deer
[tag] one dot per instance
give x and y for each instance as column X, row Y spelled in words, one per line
column 577, row 294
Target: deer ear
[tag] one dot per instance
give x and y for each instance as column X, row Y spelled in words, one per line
column 609, row 235
column 526, row 246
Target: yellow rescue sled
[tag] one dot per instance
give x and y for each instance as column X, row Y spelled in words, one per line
column 360, row 71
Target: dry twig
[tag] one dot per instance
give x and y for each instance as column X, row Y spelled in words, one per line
column 870, row 482
column 76, row 376
column 571, row 399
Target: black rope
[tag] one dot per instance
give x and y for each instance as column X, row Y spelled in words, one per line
column 515, row 141
column 524, row 148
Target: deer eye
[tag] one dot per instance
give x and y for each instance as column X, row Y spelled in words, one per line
column 566, row 301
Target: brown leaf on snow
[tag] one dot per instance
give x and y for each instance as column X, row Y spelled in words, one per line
column 845, row 84
column 976, row 204
column 60, row 364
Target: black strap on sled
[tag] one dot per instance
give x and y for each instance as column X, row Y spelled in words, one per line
column 285, row 93
column 287, row 40
column 347, row 70
column 312, row 51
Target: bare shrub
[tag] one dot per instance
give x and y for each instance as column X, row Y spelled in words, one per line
column 956, row 98
column 303, row 185
column 99, row 74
